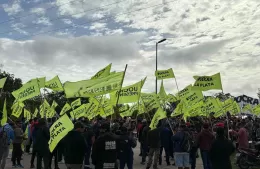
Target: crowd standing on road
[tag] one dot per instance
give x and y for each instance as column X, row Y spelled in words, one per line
column 109, row 144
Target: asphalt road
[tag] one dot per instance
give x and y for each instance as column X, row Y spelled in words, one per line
column 137, row 160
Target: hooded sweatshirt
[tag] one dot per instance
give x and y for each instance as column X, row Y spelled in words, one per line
column 205, row 139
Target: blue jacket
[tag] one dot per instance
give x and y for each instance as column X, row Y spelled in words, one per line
column 10, row 132
column 177, row 140
column 166, row 138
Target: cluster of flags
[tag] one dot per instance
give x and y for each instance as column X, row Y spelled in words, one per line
column 105, row 92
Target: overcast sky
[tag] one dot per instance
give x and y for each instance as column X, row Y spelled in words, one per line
column 76, row 38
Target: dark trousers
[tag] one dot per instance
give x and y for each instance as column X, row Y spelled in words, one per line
column 87, row 157
column 45, row 158
column 55, row 155
column 17, row 153
column 28, row 146
column 206, row 159
column 126, row 159
column 145, row 150
column 167, row 154
column 193, row 156
column 140, row 149
column 33, row 156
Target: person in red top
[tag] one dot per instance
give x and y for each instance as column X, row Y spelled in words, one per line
column 242, row 136
column 204, row 141
column 139, row 130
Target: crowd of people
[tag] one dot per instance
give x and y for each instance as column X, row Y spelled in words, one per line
column 109, row 144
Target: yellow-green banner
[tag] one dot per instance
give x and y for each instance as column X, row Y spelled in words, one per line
column 128, row 94
column 164, row 74
column 54, row 84
column 27, row 91
column 103, row 72
column 2, row 82
column 58, row 130
column 75, row 103
column 205, row 83
column 4, row 118
column 159, row 115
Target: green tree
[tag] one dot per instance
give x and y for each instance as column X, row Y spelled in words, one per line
column 11, row 85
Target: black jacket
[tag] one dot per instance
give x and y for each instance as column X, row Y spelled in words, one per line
column 105, row 151
column 74, row 148
column 220, row 152
column 145, row 131
column 126, row 145
column 42, row 137
column 154, row 138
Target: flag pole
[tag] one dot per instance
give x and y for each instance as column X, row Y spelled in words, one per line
column 226, row 117
column 117, row 100
column 176, row 84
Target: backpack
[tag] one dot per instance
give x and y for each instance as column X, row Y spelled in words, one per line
column 186, row 143
column 3, row 138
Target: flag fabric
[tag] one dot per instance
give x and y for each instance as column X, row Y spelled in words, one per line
column 160, row 114
column 44, row 108
column 27, row 114
column 210, row 105
column 107, row 107
column 103, row 72
column 182, row 93
column 162, row 94
column 92, row 108
column 94, row 87
column 123, row 108
column 40, row 81
column 2, row 82
column 205, row 83
column 17, row 111
column 27, row 91
column 59, row 130
column 236, row 108
column 4, row 118
column 75, row 103
column 54, row 84
column 16, row 103
column 256, row 110
column 171, row 98
column 150, row 101
column 35, row 114
column 129, row 112
column 164, row 74
column 247, row 108
column 193, row 97
column 106, row 85
column 128, row 94
column 65, row 108
column 50, row 112
column 79, row 112
column 54, row 104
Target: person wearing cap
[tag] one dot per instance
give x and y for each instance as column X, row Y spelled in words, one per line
column 127, row 143
column 74, row 147
column 204, row 140
column 221, row 151
column 105, row 150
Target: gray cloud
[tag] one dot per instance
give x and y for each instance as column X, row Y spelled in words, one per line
column 195, row 53
column 47, row 50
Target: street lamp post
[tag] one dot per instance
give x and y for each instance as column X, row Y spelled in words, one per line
column 156, row 61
